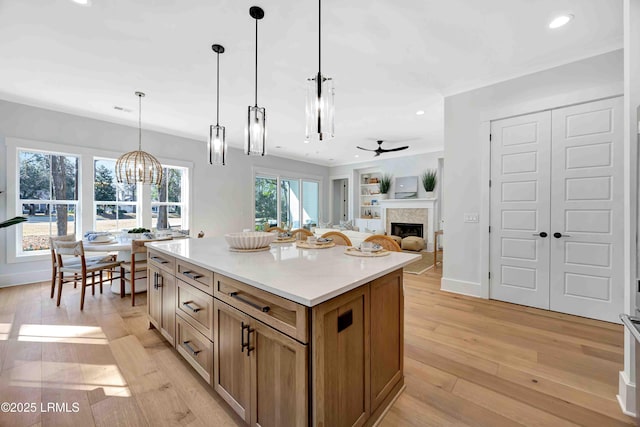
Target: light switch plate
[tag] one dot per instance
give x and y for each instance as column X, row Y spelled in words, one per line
column 471, row 217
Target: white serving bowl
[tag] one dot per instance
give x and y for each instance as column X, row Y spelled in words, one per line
column 250, row 239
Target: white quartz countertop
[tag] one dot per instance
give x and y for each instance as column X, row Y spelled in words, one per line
column 306, row 276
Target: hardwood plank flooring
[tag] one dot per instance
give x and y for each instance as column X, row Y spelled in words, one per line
column 468, row 362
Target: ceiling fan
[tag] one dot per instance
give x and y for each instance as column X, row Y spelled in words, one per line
column 381, row 150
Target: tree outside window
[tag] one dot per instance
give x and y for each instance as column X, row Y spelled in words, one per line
column 116, row 205
column 168, row 201
column 46, row 179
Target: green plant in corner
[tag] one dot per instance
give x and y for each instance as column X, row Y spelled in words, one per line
column 429, row 180
column 385, row 183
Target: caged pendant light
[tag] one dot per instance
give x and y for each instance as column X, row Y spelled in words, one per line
column 320, row 93
column 255, row 133
column 138, row 166
column 217, row 145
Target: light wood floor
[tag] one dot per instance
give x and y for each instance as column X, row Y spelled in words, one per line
column 467, row 362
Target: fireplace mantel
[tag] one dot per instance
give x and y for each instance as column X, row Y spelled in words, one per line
column 408, row 203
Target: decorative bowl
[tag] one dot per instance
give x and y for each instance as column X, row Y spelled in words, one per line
column 250, row 239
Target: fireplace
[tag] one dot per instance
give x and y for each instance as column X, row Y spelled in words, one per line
column 405, row 229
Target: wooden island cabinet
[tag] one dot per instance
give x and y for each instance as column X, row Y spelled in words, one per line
column 278, row 359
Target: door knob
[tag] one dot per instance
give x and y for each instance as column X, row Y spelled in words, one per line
column 559, row 235
column 541, row 234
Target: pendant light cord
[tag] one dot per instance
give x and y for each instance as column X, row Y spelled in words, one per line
column 319, row 36
column 218, row 90
column 256, row 77
column 139, row 122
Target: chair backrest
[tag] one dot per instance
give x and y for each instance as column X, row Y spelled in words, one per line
column 275, row 230
column 67, row 238
column 385, row 241
column 138, row 245
column 338, row 238
column 301, row 234
column 62, row 249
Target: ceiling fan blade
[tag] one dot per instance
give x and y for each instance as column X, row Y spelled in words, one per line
column 395, row 149
column 365, row 149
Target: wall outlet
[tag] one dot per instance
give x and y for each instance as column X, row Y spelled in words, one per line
column 471, row 217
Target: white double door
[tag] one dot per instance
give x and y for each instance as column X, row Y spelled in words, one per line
column 557, row 210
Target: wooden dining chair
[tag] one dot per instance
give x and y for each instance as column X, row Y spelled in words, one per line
column 338, row 238
column 301, row 233
column 135, row 265
column 275, row 229
column 67, row 256
column 385, row 241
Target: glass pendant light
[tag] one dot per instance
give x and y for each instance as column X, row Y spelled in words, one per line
column 217, row 144
column 138, row 166
column 255, row 133
column 320, row 93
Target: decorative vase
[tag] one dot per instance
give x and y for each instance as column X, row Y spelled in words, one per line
column 430, row 195
column 384, row 196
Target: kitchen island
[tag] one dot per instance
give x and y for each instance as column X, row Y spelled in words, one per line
column 286, row 336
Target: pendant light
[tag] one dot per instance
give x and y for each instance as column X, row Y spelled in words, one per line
column 138, row 166
column 217, row 144
column 320, row 107
column 255, row 133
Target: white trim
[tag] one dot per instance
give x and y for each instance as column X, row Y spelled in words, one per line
column 24, row 278
column 485, row 209
column 626, row 395
column 461, row 287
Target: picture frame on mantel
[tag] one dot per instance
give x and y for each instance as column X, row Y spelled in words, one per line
column 406, row 187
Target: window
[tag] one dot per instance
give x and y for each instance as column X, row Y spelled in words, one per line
column 48, row 195
column 169, row 199
column 286, row 202
column 115, row 205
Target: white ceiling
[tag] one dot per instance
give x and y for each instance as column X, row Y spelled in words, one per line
column 388, row 59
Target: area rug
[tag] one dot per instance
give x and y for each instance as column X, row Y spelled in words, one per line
column 422, row 265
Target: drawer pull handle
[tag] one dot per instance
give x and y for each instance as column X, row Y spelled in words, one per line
column 192, row 275
column 157, row 277
column 244, row 344
column 191, row 349
column 264, row 309
column 193, row 308
column 160, row 260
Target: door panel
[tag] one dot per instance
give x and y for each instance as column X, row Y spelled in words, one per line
column 232, row 366
column 587, row 197
column 520, row 209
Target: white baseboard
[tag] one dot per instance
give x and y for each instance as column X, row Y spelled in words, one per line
column 627, row 395
column 461, row 287
column 14, row 279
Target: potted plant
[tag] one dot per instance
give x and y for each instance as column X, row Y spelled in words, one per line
column 429, row 181
column 385, row 185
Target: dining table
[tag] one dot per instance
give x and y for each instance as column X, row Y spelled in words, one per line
column 120, row 244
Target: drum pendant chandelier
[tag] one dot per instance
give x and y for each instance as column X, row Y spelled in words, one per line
column 138, row 167
column 255, row 133
column 320, row 103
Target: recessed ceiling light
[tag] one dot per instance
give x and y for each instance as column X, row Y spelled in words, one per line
column 561, row 20
column 306, row 141
column 357, row 155
column 82, row 2
column 419, row 112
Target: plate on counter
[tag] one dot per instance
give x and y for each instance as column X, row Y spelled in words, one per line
column 306, row 245
column 285, row 240
column 266, row 248
column 357, row 252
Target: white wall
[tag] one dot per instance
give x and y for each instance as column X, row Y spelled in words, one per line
column 466, row 151
column 413, row 165
column 221, row 196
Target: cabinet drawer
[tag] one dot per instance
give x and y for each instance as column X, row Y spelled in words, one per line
column 162, row 261
column 196, row 307
column 195, row 348
column 199, row 277
column 286, row 316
